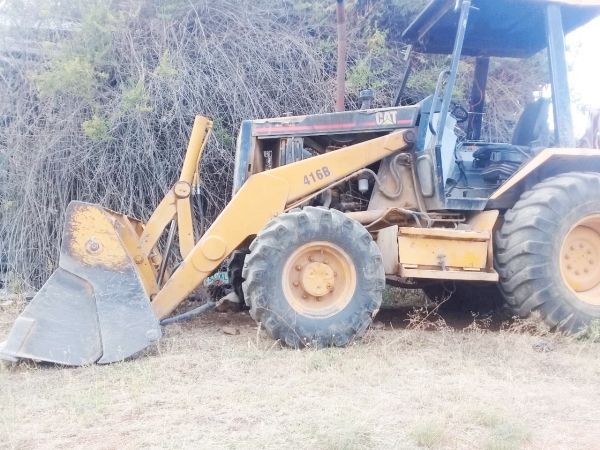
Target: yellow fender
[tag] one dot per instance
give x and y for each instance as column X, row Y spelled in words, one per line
column 549, row 162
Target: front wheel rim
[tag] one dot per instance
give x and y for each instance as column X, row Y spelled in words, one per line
column 580, row 260
column 319, row 279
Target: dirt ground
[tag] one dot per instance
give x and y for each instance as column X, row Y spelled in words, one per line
column 407, row 385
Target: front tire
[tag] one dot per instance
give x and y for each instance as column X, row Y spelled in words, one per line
column 314, row 277
column 548, row 251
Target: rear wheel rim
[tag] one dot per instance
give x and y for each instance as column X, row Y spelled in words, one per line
column 580, row 260
column 319, row 279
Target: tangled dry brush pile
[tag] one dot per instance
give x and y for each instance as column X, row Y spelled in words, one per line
column 101, row 111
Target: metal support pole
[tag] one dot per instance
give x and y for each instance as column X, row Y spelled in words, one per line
column 477, row 101
column 458, row 43
column 409, row 65
column 465, row 7
column 561, row 99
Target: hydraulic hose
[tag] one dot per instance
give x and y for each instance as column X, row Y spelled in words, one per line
column 189, row 315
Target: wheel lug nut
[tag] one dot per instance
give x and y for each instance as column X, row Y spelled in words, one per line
column 329, row 286
column 577, row 272
column 335, row 274
column 295, row 283
column 310, row 258
column 569, row 267
column 325, row 261
column 572, row 247
column 318, row 299
column 591, row 261
column 580, row 245
column 298, row 268
column 304, row 296
column 586, row 270
column 567, row 257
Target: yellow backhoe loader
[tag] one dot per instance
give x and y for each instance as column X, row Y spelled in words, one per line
column 327, row 208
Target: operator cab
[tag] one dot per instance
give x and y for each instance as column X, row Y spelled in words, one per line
column 462, row 174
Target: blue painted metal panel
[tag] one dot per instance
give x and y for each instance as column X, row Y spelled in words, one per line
column 242, row 155
column 509, row 28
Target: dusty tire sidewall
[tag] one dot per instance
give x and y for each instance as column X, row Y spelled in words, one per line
column 365, row 299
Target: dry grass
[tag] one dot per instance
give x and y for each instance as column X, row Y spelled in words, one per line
column 399, row 388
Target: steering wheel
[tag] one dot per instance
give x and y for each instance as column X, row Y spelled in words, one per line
column 458, row 111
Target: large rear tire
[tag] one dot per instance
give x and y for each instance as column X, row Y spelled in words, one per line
column 548, row 251
column 314, row 277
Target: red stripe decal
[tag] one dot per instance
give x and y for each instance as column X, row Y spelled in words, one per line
column 323, row 127
column 305, row 127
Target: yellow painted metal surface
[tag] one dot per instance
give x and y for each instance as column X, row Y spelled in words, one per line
column 159, row 220
column 260, row 199
column 581, row 155
column 483, row 220
column 443, row 248
column 580, row 259
column 185, row 226
column 445, row 233
column 144, row 265
column 177, row 201
column 94, row 241
column 101, row 237
column 319, row 279
column 198, row 138
column 450, row 254
column 448, row 274
column 263, row 197
column 486, row 221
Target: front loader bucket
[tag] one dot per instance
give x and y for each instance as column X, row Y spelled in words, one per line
column 94, row 308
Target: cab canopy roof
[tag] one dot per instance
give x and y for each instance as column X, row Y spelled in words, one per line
column 509, row 28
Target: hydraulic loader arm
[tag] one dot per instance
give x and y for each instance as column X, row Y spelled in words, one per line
column 176, row 203
column 263, row 197
column 94, row 308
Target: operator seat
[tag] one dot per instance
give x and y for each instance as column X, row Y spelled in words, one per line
column 531, row 135
column 532, row 130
